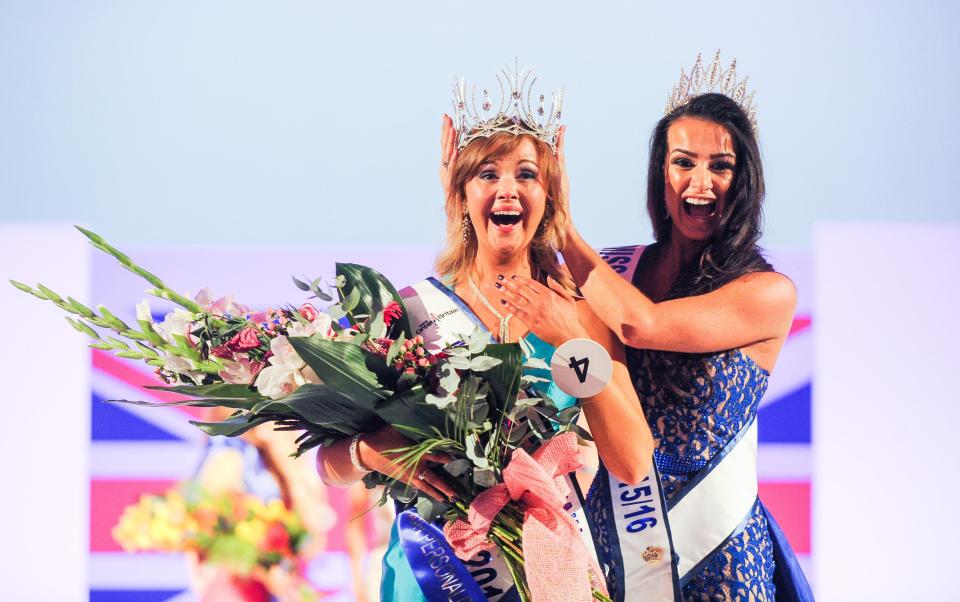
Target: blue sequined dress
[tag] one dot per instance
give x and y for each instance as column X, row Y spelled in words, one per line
column 718, row 395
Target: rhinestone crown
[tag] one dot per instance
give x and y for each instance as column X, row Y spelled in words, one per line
column 713, row 79
column 515, row 113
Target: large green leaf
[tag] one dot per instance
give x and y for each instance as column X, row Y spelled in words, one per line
column 322, row 406
column 504, row 378
column 352, row 371
column 220, row 391
column 231, row 427
column 206, row 402
column 410, row 409
column 375, row 293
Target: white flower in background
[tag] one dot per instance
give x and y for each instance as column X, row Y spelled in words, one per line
column 176, row 322
column 143, row 312
column 182, row 366
column 286, row 373
column 321, row 324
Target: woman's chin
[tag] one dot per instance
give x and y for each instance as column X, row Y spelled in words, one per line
column 507, row 243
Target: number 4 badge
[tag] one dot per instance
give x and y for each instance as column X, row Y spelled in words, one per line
column 581, row 367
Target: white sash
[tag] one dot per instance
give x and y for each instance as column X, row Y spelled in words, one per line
column 443, row 319
column 713, row 508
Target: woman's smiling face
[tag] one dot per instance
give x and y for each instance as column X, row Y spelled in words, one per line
column 506, row 200
column 698, row 173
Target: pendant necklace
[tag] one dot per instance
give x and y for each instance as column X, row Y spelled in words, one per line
column 504, row 334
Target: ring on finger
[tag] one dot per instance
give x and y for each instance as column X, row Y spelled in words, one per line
column 444, row 164
column 422, row 476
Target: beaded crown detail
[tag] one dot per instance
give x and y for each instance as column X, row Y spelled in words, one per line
column 713, row 79
column 515, row 113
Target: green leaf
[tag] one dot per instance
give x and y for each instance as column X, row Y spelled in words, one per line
column 350, row 370
column 529, row 378
column 535, row 363
column 395, row 348
column 236, row 404
column 219, row 391
column 231, row 427
column 336, row 312
column 377, row 327
column 474, row 451
column 85, row 311
column 459, row 362
column 49, row 294
column 351, row 301
column 93, row 236
column 504, row 378
column 410, row 409
column 482, row 363
column 320, row 405
column 440, row 402
column 457, row 467
column 300, row 284
column 375, row 291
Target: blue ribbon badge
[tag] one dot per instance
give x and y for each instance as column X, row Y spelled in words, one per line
column 437, row 569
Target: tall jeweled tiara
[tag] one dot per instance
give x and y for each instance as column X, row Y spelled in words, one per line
column 713, row 79
column 515, row 113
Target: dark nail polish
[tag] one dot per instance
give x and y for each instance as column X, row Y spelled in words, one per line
column 514, row 277
column 500, row 277
column 503, row 301
column 498, row 285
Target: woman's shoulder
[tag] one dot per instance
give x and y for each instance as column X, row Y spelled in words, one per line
column 770, row 290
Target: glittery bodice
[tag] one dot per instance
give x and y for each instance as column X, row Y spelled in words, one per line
column 695, row 404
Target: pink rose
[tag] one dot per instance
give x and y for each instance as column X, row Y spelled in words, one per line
column 222, row 352
column 245, row 340
column 309, row 312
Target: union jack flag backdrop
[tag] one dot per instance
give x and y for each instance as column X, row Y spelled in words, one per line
column 137, row 450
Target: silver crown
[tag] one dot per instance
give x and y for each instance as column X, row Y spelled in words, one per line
column 515, row 113
column 713, row 79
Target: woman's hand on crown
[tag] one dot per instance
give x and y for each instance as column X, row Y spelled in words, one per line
column 448, row 154
column 549, row 312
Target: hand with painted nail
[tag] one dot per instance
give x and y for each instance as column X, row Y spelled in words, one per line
column 550, row 312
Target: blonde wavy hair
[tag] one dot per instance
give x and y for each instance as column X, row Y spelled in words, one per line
column 457, row 258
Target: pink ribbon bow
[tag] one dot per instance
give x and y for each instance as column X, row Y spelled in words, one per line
column 558, row 566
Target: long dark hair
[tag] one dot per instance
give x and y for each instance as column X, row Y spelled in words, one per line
column 733, row 251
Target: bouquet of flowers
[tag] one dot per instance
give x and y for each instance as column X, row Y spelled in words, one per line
column 234, row 530
column 357, row 367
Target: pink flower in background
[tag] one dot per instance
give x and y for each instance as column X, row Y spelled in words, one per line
column 221, row 352
column 245, row 340
column 222, row 306
column 240, row 370
column 309, row 312
column 261, row 316
column 392, row 313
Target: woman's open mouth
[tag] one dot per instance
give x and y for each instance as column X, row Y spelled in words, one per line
column 505, row 219
column 699, row 208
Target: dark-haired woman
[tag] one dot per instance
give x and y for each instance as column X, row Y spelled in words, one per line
column 704, row 317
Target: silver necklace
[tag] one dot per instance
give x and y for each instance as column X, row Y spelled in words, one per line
column 504, row 333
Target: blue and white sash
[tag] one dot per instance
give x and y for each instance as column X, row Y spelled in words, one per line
column 443, row 319
column 657, row 553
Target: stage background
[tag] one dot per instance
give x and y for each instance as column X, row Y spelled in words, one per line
column 274, row 139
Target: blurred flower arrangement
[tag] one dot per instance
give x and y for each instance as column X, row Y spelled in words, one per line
column 236, row 531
